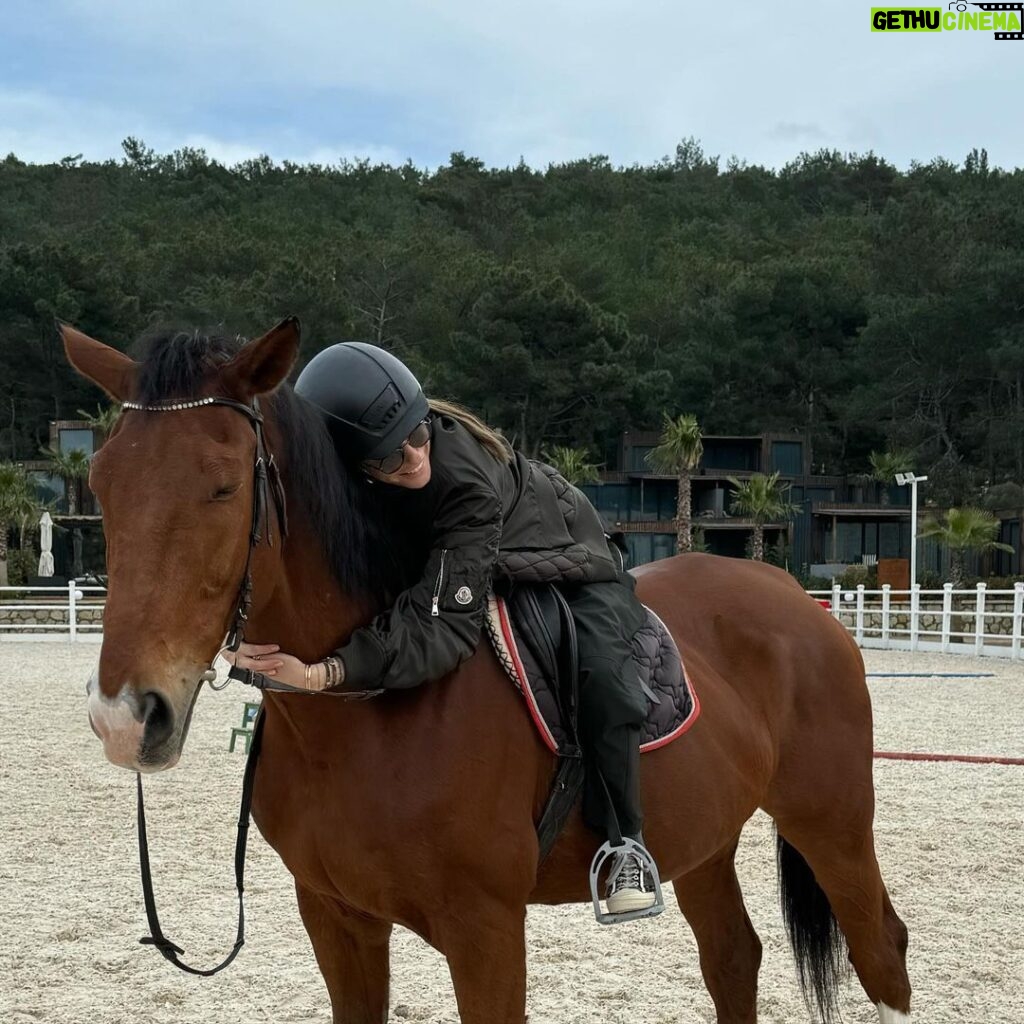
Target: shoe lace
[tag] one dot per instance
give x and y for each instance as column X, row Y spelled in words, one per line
column 627, row 873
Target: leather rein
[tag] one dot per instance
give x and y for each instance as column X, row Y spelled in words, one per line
column 267, row 487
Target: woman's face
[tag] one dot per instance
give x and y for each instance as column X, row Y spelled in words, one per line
column 414, row 472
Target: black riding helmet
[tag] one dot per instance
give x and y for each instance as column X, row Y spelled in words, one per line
column 370, row 400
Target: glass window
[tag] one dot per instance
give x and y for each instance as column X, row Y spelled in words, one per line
column 638, row 458
column 667, row 492
column 849, row 542
column 889, row 540
column 49, row 488
column 611, row 500
column 871, row 538
column 76, row 440
column 731, row 455
column 788, row 457
column 663, row 545
column 640, row 548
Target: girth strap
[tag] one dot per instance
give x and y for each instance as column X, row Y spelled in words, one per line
column 569, row 775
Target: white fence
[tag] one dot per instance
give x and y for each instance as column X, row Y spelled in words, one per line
column 69, row 611
column 977, row 622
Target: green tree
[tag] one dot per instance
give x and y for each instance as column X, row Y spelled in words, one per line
column 964, row 529
column 573, row 463
column 541, row 361
column 72, row 467
column 103, row 419
column 885, row 465
column 679, row 453
column 17, row 504
column 763, row 499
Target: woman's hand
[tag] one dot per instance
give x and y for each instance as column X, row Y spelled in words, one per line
column 258, row 657
column 273, row 662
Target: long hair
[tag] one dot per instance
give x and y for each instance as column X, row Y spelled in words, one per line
column 491, row 440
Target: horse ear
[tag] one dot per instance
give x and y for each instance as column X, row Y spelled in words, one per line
column 106, row 367
column 263, row 363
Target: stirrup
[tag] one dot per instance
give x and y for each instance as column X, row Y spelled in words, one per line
column 603, row 855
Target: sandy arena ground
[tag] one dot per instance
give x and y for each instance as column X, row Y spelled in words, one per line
column 950, row 840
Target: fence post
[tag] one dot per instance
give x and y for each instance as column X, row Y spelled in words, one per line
column 837, row 600
column 1018, row 618
column 915, row 612
column 72, row 611
column 947, row 613
column 979, row 620
column 886, row 594
column 860, row 613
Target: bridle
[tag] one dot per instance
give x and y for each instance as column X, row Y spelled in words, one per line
column 266, row 484
column 267, row 487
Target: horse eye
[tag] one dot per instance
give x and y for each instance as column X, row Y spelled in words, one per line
column 225, row 492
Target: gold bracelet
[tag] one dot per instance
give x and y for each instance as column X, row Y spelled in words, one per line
column 307, row 672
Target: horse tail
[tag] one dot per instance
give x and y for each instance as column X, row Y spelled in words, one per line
column 818, row 945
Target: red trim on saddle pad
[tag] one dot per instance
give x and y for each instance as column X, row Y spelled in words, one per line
column 524, row 682
column 684, row 725
column 538, row 719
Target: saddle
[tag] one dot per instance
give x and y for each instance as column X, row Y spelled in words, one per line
column 534, row 635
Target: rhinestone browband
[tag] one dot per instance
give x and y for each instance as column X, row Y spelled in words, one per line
column 195, row 404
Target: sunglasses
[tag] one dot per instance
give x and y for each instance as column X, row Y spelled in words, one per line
column 393, row 462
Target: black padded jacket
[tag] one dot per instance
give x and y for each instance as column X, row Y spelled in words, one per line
column 489, row 522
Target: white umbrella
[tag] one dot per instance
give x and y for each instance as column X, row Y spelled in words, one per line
column 45, row 545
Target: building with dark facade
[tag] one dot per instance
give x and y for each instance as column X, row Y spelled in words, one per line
column 843, row 520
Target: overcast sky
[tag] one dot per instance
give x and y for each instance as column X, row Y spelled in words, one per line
column 545, row 80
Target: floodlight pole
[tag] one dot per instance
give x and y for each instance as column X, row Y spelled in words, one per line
column 912, row 480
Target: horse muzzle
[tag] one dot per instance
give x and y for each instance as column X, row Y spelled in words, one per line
column 141, row 729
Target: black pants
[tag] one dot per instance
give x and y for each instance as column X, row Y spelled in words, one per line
column 612, row 705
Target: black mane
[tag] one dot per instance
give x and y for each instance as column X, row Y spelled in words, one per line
column 358, row 527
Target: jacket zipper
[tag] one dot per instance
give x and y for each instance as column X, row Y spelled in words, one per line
column 437, row 586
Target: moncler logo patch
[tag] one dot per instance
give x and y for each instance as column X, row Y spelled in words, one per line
column 463, row 595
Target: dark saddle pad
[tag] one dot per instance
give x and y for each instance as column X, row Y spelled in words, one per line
column 528, row 651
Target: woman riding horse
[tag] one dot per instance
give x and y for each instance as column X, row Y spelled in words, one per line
column 495, row 517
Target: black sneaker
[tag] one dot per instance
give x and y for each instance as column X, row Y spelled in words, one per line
column 630, row 885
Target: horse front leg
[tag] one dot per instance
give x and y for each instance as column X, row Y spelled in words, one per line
column 352, row 951
column 486, row 952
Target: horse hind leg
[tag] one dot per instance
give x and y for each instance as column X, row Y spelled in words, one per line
column 830, row 882
column 730, row 951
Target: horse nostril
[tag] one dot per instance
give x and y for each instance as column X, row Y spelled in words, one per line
column 158, row 719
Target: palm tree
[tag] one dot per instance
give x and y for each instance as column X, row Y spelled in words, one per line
column 573, row 463
column 764, row 500
column 17, row 504
column 885, row 465
column 679, row 453
column 72, row 467
column 103, row 420
column 965, row 529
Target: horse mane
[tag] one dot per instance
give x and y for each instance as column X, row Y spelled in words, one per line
column 369, row 553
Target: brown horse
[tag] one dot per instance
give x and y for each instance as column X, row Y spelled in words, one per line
column 419, row 807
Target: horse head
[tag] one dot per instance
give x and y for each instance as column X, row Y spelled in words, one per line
column 176, row 488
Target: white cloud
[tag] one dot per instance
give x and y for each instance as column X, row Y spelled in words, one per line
column 231, row 152
column 546, row 81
